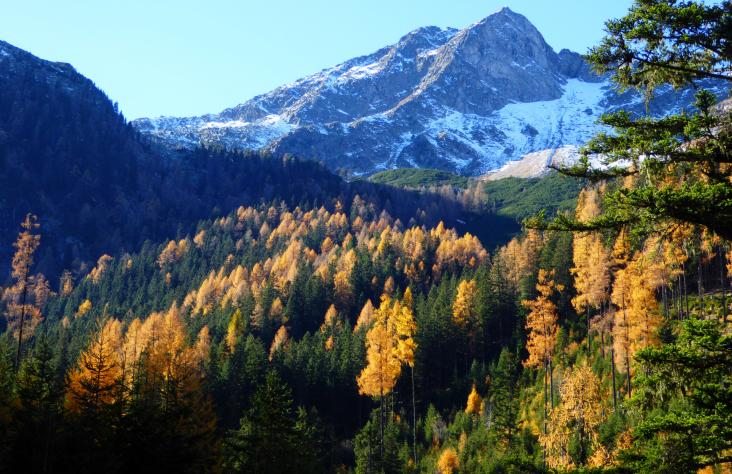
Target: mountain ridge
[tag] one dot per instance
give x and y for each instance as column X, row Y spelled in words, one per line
column 465, row 101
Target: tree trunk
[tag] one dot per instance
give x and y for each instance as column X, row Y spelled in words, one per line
column 589, row 340
column 381, row 422
column 546, row 396
column 414, row 421
column 602, row 344
column 22, row 320
column 546, row 367
column 551, row 384
column 679, row 306
column 686, row 292
column 612, row 366
column 700, row 287
column 723, row 283
column 627, row 368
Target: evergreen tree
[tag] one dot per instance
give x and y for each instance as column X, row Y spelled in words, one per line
column 34, row 432
column 683, row 401
column 680, row 164
column 376, row 453
column 504, row 397
column 272, row 438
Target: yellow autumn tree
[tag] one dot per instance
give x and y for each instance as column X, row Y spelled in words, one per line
column 84, row 308
column 404, row 327
column 235, row 330
column 66, row 283
column 330, row 321
column 643, row 310
column 587, row 208
column 637, row 316
column 541, row 325
column 620, row 297
column 20, row 307
column 578, row 416
column 448, row 462
column 591, row 260
column 519, row 257
column 342, row 285
column 97, row 379
column 102, row 266
column 541, row 322
column 170, row 362
column 365, row 317
column 202, row 348
column 280, row 341
column 383, row 365
column 464, row 307
column 465, row 310
column 475, row 402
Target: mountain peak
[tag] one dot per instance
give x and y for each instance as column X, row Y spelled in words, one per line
column 464, row 100
column 506, row 11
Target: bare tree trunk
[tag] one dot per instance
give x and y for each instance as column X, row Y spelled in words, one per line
column 686, row 292
column 679, row 306
column 589, row 340
column 414, row 421
column 602, row 343
column 612, row 366
column 22, row 319
column 700, row 287
column 381, row 423
column 627, row 368
column 551, row 384
column 723, row 283
column 546, row 369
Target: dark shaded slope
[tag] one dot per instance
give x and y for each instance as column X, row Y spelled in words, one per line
column 69, row 156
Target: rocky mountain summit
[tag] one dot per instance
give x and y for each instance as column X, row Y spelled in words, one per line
column 466, row 101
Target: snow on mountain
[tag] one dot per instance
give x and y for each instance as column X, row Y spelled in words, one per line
column 536, row 164
column 467, row 101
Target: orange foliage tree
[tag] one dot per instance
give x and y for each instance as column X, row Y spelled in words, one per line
column 19, row 297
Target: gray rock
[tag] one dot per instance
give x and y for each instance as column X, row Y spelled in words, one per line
column 465, row 101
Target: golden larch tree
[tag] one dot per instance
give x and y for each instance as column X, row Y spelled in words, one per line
column 404, row 328
column 541, row 322
column 20, row 307
column 66, row 283
column 383, row 365
column 365, row 317
column 448, row 462
column 475, row 402
column 280, row 341
column 579, row 414
column 541, row 325
column 464, row 310
column 330, row 322
column 591, row 260
column 97, row 379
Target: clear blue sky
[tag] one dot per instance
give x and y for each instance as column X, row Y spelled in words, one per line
column 165, row 57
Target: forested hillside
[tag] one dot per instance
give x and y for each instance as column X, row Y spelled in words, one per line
column 260, row 314
column 69, row 156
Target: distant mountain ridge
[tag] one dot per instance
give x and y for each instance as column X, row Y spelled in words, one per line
column 68, row 156
column 466, row 101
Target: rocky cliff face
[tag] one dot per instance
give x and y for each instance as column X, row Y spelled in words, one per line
column 466, row 101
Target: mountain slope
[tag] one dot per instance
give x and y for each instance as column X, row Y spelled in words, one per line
column 464, row 101
column 67, row 155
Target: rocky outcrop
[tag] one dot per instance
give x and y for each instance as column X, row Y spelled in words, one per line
column 465, row 101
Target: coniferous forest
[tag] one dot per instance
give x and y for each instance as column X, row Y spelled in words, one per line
column 216, row 311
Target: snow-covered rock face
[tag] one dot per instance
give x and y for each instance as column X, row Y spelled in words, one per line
column 466, row 101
